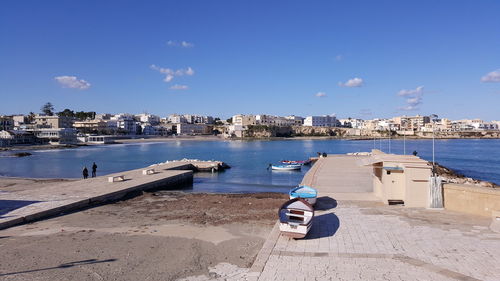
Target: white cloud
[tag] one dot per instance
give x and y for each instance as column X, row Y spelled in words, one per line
column 417, row 91
column 170, row 73
column 187, row 44
column 189, row 71
column 183, row 44
column 493, row 76
column 72, row 82
column 320, row 94
column 354, row 82
column 179, row 87
column 413, row 98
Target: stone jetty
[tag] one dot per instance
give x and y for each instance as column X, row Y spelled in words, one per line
column 34, row 204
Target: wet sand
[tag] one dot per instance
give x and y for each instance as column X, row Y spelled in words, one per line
column 155, row 236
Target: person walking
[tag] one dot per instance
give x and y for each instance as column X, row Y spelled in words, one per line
column 94, row 170
column 85, row 173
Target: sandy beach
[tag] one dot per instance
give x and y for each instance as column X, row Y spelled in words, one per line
column 155, row 236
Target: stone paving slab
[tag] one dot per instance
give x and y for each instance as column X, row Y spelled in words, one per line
column 32, row 204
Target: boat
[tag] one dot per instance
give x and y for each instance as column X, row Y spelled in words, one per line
column 305, row 192
column 293, row 162
column 296, row 217
column 286, row 167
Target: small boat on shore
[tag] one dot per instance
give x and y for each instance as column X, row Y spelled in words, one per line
column 305, row 192
column 296, row 218
column 286, row 167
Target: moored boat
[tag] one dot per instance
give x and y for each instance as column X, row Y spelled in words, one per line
column 286, row 167
column 305, row 192
column 292, row 162
column 296, row 217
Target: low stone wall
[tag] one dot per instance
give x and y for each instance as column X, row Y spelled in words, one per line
column 471, row 199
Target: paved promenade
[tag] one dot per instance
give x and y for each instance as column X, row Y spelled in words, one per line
column 32, row 204
column 357, row 239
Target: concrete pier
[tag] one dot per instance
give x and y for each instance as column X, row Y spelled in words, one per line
column 356, row 237
column 34, row 204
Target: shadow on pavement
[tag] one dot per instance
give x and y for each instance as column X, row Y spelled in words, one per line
column 64, row 265
column 324, row 225
column 325, row 203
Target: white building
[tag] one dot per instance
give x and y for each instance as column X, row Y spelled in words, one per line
column 485, row 126
column 176, row 119
column 235, row 131
column 149, row 118
column 127, row 125
column 57, row 136
column 297, row 120
column 244, row 120
column 321, row 121
column 352, row 123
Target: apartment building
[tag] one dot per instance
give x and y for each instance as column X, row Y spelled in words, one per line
column 244, row 120
column 53, row 122
column 321, row 121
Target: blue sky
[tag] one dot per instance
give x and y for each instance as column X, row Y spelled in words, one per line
column 278, row 57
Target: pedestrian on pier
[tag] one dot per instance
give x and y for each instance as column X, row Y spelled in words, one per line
column 85, row 173
column 94, row 170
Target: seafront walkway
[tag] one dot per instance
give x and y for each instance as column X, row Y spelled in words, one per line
column 27, row 205
column 356, row 237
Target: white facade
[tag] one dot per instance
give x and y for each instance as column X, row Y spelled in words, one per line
column 128, row 125
column 57, row 136
column 175, row 118
column 149, row 118
column 321, row 121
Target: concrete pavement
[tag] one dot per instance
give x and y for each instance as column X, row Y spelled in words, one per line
column 355, row 237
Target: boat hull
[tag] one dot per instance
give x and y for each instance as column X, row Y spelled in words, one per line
column 295, row 217
column 286, row 167
column 311, row 201
column 300, row 231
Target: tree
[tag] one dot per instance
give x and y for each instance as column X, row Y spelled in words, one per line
column 230, row 120
column 31, row 117
column 48, row 109
column 67, row 113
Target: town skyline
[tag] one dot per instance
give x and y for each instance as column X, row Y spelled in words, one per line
column 225, row 58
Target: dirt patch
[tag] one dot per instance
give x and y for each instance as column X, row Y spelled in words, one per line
column 156, row 236
column 200, row 208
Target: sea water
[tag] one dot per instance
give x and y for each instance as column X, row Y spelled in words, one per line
column 249, row 160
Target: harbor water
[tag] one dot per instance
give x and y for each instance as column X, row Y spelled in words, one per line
column 476, row 158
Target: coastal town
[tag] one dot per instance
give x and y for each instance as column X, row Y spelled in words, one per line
column 68, row 127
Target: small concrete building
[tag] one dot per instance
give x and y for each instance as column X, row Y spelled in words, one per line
column 12, row 137
column 193, row 129
column 400, row 179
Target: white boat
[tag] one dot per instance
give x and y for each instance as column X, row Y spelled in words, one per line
column 296, row 217
column 305, row 192
column 286, row 167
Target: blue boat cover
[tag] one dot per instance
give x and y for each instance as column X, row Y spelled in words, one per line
column 303, row 191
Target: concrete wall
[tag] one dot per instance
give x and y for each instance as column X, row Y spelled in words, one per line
column 471, row 199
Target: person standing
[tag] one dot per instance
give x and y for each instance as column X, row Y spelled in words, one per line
column 94, row 170
column 85, row 173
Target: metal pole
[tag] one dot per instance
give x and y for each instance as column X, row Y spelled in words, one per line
column 404, row 142
column 433, row 162
column 390, row 140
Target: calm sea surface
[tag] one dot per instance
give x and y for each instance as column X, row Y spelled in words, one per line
column 249, row 159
